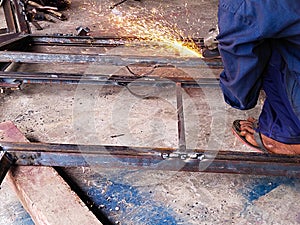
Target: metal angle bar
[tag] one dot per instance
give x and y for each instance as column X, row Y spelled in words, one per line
column 103, row 41
column 66, row 155
column 14, row 42
column 20, row 16
column 180, row 118
column 64, row 40
column 15, row 16
column 7, row 36
column 119, row 80
column 118, row 60
column 9, row 16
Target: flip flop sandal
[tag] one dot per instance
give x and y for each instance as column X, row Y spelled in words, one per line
column 236, row 128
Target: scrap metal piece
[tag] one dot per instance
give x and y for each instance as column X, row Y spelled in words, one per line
column 83, row 31
column 53, row 11
column 9, row 84
column 36, row 25
column 59, row 4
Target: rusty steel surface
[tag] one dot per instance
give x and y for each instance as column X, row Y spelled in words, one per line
column 9, row 52
column 180, row 118
column 67, row 155
column 126, row 156
column 112, row 80
column 15, row 17
column 14, row 47
column 103, row 59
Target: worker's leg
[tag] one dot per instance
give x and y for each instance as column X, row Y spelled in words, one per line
column 245, row 30
column 293, row 90
column 244, row 55
column 250, row 59
column 278, row 119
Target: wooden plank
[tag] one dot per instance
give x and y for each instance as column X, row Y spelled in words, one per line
column 43, row 193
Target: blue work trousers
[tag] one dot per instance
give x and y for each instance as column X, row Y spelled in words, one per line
column 259, row 42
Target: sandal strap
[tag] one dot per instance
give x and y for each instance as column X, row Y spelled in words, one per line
column 258, row 139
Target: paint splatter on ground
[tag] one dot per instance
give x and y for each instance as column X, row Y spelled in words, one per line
column 262, row 186
column 119, row 201
column 14, row 214
column 11, row 210
column 21, row 216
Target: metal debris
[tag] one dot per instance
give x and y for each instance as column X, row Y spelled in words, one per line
column 36, row 10
column 83, row 31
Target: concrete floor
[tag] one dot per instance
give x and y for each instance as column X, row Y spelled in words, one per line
column 92, row 115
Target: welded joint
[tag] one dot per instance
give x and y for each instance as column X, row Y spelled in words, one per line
column 28, row 158
column 183, row 156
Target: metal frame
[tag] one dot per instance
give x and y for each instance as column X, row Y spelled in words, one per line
column 17, row 46
column 15, row 16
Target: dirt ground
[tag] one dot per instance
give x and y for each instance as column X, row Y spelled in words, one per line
column 104, row 115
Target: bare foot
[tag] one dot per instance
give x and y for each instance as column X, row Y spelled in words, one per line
column 247, row 131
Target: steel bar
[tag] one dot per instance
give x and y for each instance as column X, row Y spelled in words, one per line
column 81, row 41
column 180, row 118
column 103, row 41
column 3, row 66
column 61, row 78
column 7, row 36
column 66, row 155
column 9, row 16
column 118, row 60
column 15, row 18
column 14, row 42
column 20, row 17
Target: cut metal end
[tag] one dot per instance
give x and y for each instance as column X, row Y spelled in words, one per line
column 6, row 162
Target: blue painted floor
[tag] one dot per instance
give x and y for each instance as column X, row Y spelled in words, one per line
column 212, row 199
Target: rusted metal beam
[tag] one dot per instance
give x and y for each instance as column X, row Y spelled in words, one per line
column 180, row 118
column 82, row 41
column 115, row 80
column 66, row 155
column 9, row 16
column 103, row 41
column 104, row 59
column 14, row 42
column 15, row 16
column 7, row 36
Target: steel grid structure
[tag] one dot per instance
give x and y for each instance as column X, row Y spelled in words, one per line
column 17, row 46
